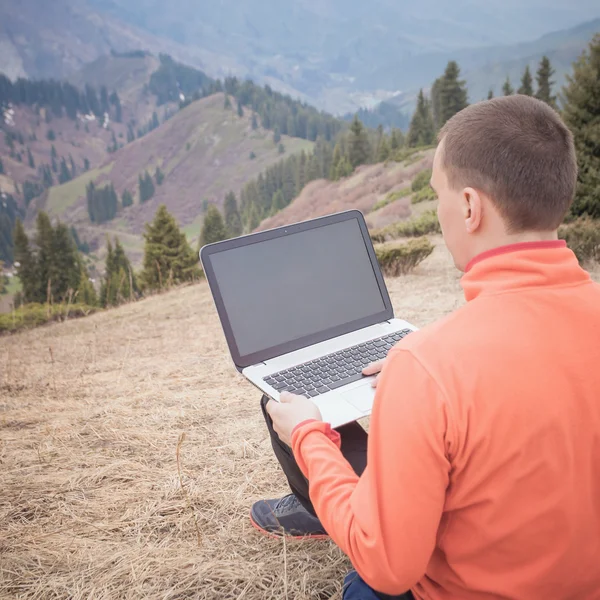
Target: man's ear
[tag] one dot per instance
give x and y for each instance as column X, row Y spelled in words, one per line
column 473, row 209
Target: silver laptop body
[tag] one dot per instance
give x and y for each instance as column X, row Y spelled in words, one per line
column 304, row 309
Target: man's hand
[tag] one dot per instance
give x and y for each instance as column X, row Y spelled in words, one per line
column 290, row 411
column 372, row 369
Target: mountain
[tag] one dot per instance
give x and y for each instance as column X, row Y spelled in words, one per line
column 488, row 67
column 204, row 151
column 40, row 39
column 330, row 50
column 339, row 55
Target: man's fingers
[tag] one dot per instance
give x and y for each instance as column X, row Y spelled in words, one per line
column 375, row 381
column 272, row 407
column 373, row 368
column 286, row 397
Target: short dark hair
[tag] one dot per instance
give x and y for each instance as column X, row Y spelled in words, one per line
column 517, row 150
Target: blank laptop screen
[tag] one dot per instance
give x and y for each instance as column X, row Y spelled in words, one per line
column 283, row 289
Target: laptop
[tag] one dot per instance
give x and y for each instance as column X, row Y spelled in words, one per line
column 304, row 309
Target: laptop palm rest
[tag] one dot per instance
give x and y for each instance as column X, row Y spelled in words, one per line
column 361, row 397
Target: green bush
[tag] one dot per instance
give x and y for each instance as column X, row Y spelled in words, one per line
column 378, row 236
column 403, row 154
column 32, row 315
column 583, row 237
column 392, row 197
column 425, row 224
column 423, row 194
column 399, row 259
column 421, row 180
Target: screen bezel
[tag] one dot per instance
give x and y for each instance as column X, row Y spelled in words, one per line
column 254, row 358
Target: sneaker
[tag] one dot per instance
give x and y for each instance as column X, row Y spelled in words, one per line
column 286, row 517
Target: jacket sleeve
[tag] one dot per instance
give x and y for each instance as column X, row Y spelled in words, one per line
column 386, row 521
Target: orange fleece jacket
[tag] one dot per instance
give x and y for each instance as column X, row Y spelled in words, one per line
column 483, row 468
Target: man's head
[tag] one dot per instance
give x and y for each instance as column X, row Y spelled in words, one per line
column 504, row 171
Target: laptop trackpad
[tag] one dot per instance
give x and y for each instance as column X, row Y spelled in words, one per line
column 361, row 397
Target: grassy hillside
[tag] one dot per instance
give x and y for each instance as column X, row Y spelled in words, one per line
column 204, row 151
column 368, row 186
column 79, row 140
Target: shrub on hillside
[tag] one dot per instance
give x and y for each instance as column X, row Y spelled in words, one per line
column 33, row 315
column 426, row 224
column 421, row 180
column 391, row 197
column 583, row 237
column 422, row 195
column 399, row 259
column 406, row 155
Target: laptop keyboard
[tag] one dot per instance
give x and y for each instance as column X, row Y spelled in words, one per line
column 333, row 370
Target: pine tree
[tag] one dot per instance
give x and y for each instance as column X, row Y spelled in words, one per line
column 526, row 83
column 507, row 89
column 47, row 179
column 146, row 187
column 159, row 176
column 227, row 103
column 64, row 174
column 1, row 167
column 168, row 257
column 45, row 270
column 337, row 158
column 240, row 110
column 30, row 159
column 421, row 131
column 281, row 148
column 86, row 164
column 86, row 294
column 126, row 198
column 278, row 202
column 544, row 82
column 359, row 148
column 213, row 227
column 490, row 94
column 253, row 218
column 436, row 103
column 73, row 169
column 276, row 135
column 396, row 139
column 50, row 135
column 581, row 113
column 233, row 220
column 130, row 134
column 383, row 152
column 452, row 93
column 27, row 269
column 53, row 270
column 254, row 121
column 66, row 263
column 119, row 283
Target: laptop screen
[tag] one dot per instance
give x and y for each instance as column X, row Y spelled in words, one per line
column 283, row 289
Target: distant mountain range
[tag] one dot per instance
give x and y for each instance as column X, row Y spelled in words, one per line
column 339, row 54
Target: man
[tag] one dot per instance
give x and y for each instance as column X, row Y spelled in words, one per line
column 482, row 470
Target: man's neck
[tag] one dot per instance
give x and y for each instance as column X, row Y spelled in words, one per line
column 507, row 239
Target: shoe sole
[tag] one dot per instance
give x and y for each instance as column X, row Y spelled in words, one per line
column 278, row 536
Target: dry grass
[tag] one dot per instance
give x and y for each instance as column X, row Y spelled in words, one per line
column 91, row 416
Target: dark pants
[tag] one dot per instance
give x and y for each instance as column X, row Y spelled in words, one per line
column 354, row 449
